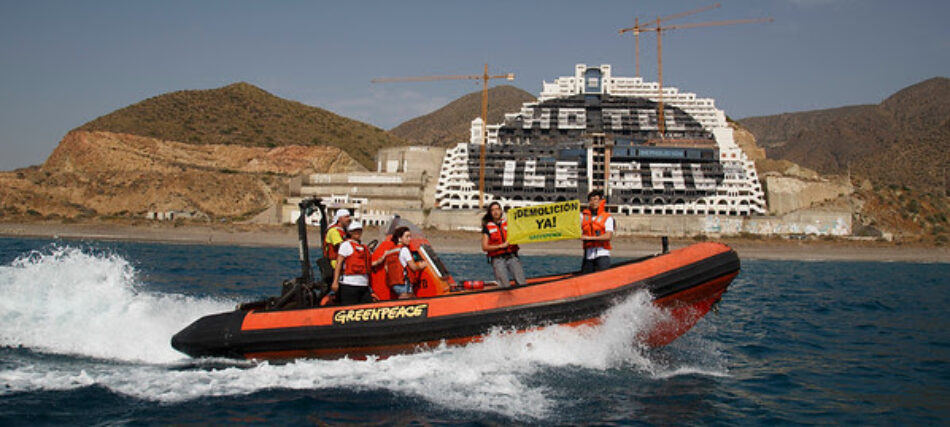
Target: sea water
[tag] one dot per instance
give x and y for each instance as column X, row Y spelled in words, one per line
column 85, row 329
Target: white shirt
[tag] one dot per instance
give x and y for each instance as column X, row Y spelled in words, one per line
column 346, row 249
column 597, row 252
column 405, row 257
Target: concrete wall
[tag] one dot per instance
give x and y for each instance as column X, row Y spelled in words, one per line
column 401, row 187
column 680, row 225
column 368, row 191
column 422, row 160
column 416, row 216
column 808, row 221
column 786, row 194
column 271, row 215
column 364, row 178
column 411, row 159
column 467, row 220
column 817, row 222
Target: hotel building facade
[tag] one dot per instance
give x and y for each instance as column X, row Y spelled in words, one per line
column 593, row 130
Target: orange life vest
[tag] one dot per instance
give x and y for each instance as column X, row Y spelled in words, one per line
column 595, row 226
column 358, row 262
column 498, row 235
column 330, row 251
column 395, row 272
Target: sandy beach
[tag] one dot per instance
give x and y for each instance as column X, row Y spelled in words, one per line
column 468, row 242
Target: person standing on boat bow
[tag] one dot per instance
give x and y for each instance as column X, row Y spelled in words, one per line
column 336, row 234
column 596, row 232
column 351, row 274
column 502, row 256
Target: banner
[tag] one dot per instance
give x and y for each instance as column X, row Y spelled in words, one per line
column 544, row 223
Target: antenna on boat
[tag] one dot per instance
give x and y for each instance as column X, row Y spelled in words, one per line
column 307, row 207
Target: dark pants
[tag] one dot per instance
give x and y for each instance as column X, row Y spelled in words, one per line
column 354, row 294
column 596, row 264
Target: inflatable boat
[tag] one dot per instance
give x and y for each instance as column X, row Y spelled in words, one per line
column 686, row 282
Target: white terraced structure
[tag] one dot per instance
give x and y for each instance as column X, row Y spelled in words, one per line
column 559, row 147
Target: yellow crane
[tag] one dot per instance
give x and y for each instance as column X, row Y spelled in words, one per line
column 484, row 77
column 658, row 29
column 637, row 28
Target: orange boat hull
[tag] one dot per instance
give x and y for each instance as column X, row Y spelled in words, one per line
column 686, row 282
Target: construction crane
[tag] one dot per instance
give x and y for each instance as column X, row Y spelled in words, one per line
column 484, row 77
column 637, row 28
column 658, row 29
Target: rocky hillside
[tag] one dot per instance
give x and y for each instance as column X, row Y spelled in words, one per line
column 903, row 141
column 220, row 153
column 897, row 154
column 909, row 213
column 242, row 114
column 451, row 124
column 101, row 174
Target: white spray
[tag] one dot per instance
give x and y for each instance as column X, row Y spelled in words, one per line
column 69, row 302
column 66, row 301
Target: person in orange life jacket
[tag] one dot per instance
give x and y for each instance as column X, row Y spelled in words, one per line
column 597, row 228
column 351, row 274
column 399, row 262
column 502, row 256
column 336, row 234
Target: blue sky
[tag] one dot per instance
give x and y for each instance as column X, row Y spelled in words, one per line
column 63, row 63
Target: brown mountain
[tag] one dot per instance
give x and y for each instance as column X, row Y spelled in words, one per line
column 103, row 174
column 242, row 114
column 903, row 141
column 451, row 124
column 219, row 153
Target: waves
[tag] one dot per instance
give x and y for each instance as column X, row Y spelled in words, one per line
column 65, row 300
column 108, row 329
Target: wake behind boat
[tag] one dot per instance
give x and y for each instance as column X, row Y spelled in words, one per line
column 300, row 323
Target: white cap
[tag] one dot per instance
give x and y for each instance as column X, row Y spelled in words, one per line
column 355, row 225
column 340, row 214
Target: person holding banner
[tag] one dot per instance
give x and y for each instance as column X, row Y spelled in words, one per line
column 596, row 231
column 502, row 256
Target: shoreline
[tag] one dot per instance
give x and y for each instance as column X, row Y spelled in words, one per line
column 469, row 242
